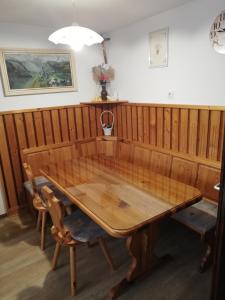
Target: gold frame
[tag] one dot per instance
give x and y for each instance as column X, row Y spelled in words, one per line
column 29, row 91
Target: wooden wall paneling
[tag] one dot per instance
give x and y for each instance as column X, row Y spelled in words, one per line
column 105, row 117
column 114, row 111
column 129, row 122
column 207, row 178
column 71, row 124
column 167, row 128
column 134, row 123
column 56, row 126
column 119, row 121
column 98, row 114
column 146, row 124
column 184, row 171
column 140, row 124
column 79, row 123
column 64, row 124
column 222, row 125
column 19, row 121
column 48, row 131
column 14, row 156
column 193, row 131
column 21, row 132
column 188, row 132
column 39, row 130
column 86, row 122
column 7, row 168
column 110, row 108
column 124, row 121
column 29, row 125
column 175, row 129
column 159, row 128
column 203, row 133
column 183, row 138
column 214, row 132
column 92, row 115
column 160, row 163
column 153, row 126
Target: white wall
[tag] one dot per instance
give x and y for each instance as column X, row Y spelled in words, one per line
column 195, row 73
column 21, row 36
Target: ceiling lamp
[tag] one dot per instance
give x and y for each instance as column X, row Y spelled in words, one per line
column 75, row 36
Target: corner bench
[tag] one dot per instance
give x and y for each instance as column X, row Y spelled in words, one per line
column 191, row 170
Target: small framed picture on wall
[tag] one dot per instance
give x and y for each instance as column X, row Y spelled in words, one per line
column 158, row 48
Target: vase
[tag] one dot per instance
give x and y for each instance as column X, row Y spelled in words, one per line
column 104, row 92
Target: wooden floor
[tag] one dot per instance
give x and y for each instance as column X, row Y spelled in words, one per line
column 25, row 269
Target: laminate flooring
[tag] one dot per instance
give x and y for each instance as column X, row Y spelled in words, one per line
column 25, row 272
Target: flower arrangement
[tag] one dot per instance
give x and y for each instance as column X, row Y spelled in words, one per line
column 103, row 74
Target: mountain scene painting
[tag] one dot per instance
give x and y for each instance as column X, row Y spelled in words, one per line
column 37, row 70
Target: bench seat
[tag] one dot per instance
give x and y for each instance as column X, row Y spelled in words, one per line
column 201, row 217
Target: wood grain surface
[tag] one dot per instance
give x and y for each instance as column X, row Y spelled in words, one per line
column 119, row 195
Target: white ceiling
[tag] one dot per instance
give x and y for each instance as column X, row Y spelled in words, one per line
column 101, row 15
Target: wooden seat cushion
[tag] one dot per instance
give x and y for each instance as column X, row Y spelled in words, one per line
column 200, row 217
column 82, row 228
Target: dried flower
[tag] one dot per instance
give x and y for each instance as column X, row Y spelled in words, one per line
column 103, row 73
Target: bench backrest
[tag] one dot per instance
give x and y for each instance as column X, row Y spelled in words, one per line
column 38, row 157
column 203, row 174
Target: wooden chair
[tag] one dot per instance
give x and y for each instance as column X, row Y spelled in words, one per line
column 31, row 186
column 200, row 217
column 71, row 231
column 35, row 158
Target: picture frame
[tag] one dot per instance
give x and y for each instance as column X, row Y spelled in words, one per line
column 31, row 71
column 158, row 48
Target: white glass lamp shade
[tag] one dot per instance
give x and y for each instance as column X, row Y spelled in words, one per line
column 76, row 37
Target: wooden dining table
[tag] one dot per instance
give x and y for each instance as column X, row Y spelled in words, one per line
column 126, row 199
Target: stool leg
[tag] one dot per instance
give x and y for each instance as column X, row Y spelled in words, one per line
column 43, row 223
column 56, row 255
column 73, row 275
column 106, row 253
column 38, row 220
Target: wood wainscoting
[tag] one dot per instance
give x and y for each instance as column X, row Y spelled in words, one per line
column 191, row 133
column 183, row 137
column 37, row 127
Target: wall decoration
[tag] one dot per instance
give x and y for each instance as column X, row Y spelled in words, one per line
column 158, row 48
column 217, row 33
column 37, row 71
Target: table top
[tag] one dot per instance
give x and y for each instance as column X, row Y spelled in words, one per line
column 118, row 195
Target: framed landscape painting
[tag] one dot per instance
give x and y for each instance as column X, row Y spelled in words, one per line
column 37, row 71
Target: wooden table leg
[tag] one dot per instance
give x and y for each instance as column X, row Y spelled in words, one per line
column 140, row 247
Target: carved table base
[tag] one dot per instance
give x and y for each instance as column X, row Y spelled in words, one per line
column 140, row 247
